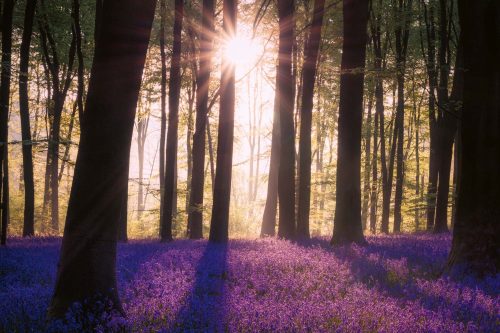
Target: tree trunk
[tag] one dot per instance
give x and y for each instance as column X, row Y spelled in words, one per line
column 77, row 33
column 60, row 87
column 402, row 32
column 366, row 170
column 29, row 185
column 163, row 104
column 399, row 127
column 88, row 253
column 195, row 217
column 173, row 126
column 478, row 207
column 6, row 71
column 271, row 207
column 286, row 174
column 308, row 80
column 219, row 225
column 432, row 74
column 347, row 221
column 374, row 187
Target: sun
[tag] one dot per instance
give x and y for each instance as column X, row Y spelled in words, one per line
column 241, row 51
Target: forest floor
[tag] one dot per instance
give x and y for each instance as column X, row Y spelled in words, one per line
column 390, row 285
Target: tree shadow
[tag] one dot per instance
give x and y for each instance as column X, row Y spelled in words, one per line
column 367, row 266
column 205, row 307
column 133, row 255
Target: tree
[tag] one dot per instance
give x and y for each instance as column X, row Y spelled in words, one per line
column 347, row 220
column 163, row 103
column 7, row 13
column 308, row 80
column 285, row 80
column 271, row 207
column 379, row 62
column 195, row 217
column 29, row 186
column 219, row 225
column 477, row 228
column 402, row 33
column 173, row 125
column 88, row 254
column 61, row 77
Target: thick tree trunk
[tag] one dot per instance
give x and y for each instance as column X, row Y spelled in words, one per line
column 219, row 225
column 347, row 221
column 6, row 71
column 29, row 186
column 286, row 174
column 271, row 207
column 195, row 218
column 478, row 208
column 88, row 255
column 308, row 80
column 173, row 126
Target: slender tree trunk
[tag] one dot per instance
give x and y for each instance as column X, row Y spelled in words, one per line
column 66, row 157
column 433, row 76
column 402, row 32
column 195, row 217
column 478, row 208
column 6, row 71
column 142, row 130
column 173, row 126
column 77, row 33
column 286, row 175
column 189, row 147
column 366, row 170
column 211, row 152
column 347, row 221
column 163, row 103
column 399, row 128
column 88, row 253
column 448, row 133
column 271, row 207
column 374, row 187
column 308, row 80
column 417, row 160
column 29, row 185
column 60, row 87
column 219, row 225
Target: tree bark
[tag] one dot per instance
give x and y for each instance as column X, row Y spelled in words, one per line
column 366, row 170
column 87, row 265
column 402, row 32
column 173, row 125
column 219, row 225
column 477, row 226
column 374, row 187
column 163, row 104
column 6, row 71
column 286, row 174
column 347, row 220
column 308, row 80
column 195, row 217
column 29, row 185
column 271, row 207
column 60, row 87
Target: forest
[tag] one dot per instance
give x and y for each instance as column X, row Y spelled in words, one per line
column 250, row 166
